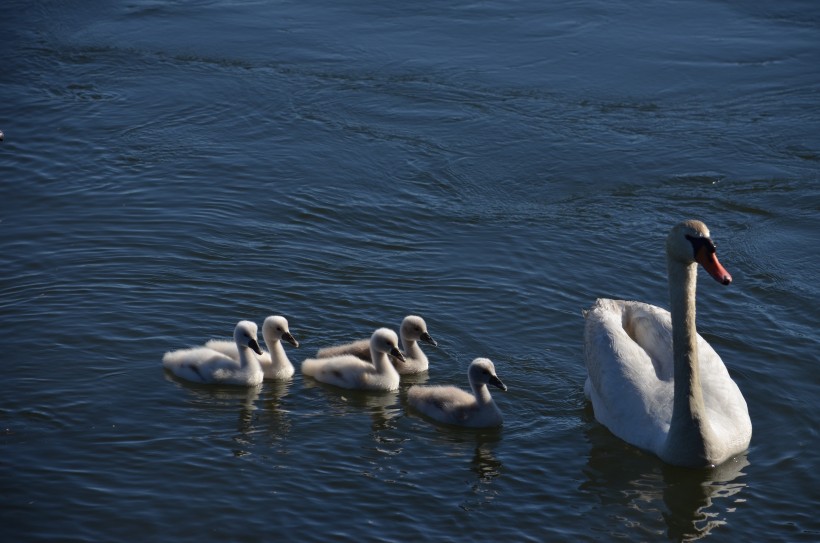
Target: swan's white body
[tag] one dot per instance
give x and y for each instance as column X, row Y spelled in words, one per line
column 204, row 365
column 413, row 329
column 349, row 371
column 653, row 381
column 452, row 405
column 275, row 363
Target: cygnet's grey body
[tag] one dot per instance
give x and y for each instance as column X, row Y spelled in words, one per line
column 452, row 405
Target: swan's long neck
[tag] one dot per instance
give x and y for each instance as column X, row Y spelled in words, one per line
column 689, row 431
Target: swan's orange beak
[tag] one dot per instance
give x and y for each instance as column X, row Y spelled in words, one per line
column 707, row 258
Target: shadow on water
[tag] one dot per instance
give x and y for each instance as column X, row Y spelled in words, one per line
column 692, row 503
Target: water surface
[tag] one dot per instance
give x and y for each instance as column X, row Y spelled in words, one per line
column 171, row 168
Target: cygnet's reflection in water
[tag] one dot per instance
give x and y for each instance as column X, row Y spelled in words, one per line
column 477, row 445
column 273, row 417
column 486, row 468
column 382, row 406
column 691, row 503
column 259, row 409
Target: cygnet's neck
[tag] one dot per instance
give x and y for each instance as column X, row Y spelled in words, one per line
column 381, row 362
column 689, row 431
column 482, row 393
column 278, row 356
column 411, row 349
column 247, row 358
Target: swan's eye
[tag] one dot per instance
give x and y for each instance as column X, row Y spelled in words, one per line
column 701, row 242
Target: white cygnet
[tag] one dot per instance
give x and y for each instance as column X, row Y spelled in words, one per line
column 413, row 329
column 452, row 405
column 204, row 365
column 349, row 371
column 275, row 363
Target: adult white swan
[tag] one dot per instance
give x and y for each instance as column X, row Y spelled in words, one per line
column 204, row 365
column 348, row 371
column 652, row 380
column 275, row 363
column 451, row 405
column 413, row 329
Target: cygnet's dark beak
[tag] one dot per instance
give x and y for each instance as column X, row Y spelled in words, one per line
column 396, row 353
column 290, row 339
column 494, row 380
column 253, row 344
column 427, row 338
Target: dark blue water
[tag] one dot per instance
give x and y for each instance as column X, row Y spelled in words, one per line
column 171, row 168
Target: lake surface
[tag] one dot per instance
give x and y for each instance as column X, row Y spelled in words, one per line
column 170, row 168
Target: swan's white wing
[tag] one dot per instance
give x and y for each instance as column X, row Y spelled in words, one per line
column 629, row 390
column 726, row 408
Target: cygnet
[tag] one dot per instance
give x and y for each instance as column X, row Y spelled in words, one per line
column 413, row 329
column 452, row 405
column 205, row 365
column 349, row 371
column 275, row 363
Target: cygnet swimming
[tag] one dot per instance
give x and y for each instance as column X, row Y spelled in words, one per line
column 452, row 405
column 349, row 371
column 275, row 363
column 205, row 365
column 413, row 329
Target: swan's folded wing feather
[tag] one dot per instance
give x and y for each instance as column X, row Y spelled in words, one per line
column 728, row 413
column 623, row 386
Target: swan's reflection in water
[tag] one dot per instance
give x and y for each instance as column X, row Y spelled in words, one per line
column 691, row 503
